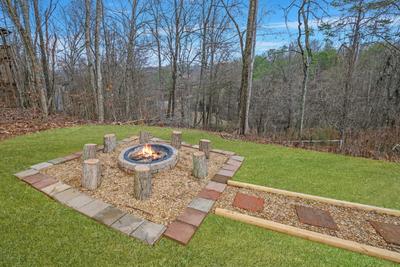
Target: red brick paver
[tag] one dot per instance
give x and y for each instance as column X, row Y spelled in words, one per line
column 209, row 194
column 192, row 216
column 44, row 182
column 248, row 202
column 180, row 231
column 219, row 187
column 35, row 178
column 315, row 217
column 389, row 232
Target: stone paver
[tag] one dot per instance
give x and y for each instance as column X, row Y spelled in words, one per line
column 93, row 208
column 230, row 167
column 34, row 178
column 248, row 202
column 26, row 173
column 41, row 166
column 109, row 215
column 66, row 195
column 222, row 176
column 149, row 232
column 389, row 232
column 201, row 204
column 315, row 217
column 127, row 223
column 219, row 187
column 209, row 194
column 56, row 188
column 180, row 231
column 71, row 157
column 192, row 216
column 56, row 161
column 44, row 183
column 238, row 158
column 234, row 162
column 79, row 201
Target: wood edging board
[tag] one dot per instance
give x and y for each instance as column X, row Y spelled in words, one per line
column 312, row 236
column 316, row 198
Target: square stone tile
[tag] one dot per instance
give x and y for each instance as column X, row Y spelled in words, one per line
column 238, row 158
column 195, row 146
column 219, row 187
column 127, row 223
column 71, row 157
column 41, row 166
column 56, row 161
column 230, row 167
column 79, row 201
column 45, row 182
column 180, row 231
column 315, row 217
column 56, row 188
column 93, row 208
column 66, row 195
column 26, row 173
column 149, row 232
column 192, row 216
column 222, row 176
column 34, row 178
column 201, row 204
column 209, row 194
column 109, row 215
column 234, row 162
column 389, row 232
column 248, row 202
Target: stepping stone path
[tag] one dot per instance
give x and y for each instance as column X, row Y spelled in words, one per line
column 247, row 202
column 181, row 230
column 389, row 232
column 315, row 217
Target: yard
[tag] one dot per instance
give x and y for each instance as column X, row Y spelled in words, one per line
column 35, row 230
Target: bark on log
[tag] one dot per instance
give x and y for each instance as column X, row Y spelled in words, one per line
column 142, row 182
column 200, row 168
column 176, row 139
column 144, row 137
column 89, row 151
column 205, row 146
column 110, row 143
column 91, row 174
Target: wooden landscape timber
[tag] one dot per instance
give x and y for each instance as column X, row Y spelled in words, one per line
column 309, row 235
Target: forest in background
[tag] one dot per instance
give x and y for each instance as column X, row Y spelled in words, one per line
column 194, row 64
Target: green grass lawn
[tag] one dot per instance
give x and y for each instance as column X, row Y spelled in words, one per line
column 36, row 231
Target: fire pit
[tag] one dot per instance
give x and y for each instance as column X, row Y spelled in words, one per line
column 157, row 156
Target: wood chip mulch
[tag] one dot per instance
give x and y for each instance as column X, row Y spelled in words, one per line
column 353, row 224
column 172, row 190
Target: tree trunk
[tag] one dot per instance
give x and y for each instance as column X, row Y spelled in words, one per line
column 176, row 139
column 142, row 182
column 200, row 168
column 205, row 146
column 247, row 68
column 89, row 151
column 110, row 143
column 91, row 174
column 144, row 137
column 99, row 79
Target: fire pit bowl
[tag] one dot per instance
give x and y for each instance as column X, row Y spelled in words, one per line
column 156, row 156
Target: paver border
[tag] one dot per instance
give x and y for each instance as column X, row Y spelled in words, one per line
column 91, row 207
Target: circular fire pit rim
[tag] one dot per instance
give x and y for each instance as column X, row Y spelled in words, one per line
column 129, row 165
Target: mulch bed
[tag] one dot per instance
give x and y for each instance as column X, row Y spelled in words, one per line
column 353, row 224
column 172, row 190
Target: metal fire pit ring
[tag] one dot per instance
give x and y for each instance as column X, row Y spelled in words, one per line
column 168, row 162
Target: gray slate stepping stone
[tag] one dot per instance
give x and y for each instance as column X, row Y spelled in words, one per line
column 127, row 223
column 41, row 166
column 26, row 173
column 149, row 232
column 66, row 195
column 201, row 204
column 79, row 201
column 56, row 188
column 93, row 208
column 109, row 215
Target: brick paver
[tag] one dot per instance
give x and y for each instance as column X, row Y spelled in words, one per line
column 79, row 201
column 109, row 215
column 26, row 173
column 41, row 166
column 93, row 208
column 44, row 183
column 192, row 216
column 55, row 188
column 389, row 232
column 127, row 223
column 180, row 231
column 209, row 194
column 149, row 232
column 315, row 217
column 219, row 187
column 201, row 204
column 248, row 202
